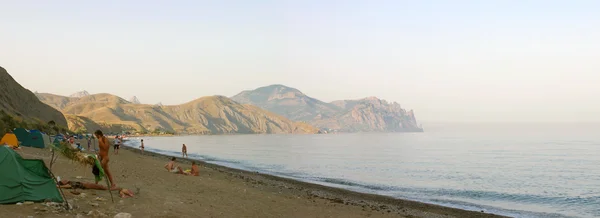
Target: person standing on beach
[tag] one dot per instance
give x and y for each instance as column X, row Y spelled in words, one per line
column 184, row 151
column 116, row 146
column 89, row 141
column 142, row 147
column 103, row 156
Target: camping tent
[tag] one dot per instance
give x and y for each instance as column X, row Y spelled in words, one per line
column 31, row 138
column 25, row 179
column 36, row 139
column 10, row 139
column 22, row 135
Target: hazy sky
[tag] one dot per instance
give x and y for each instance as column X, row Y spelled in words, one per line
column 448, row 60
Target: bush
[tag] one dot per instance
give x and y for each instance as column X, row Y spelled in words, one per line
column 9, row 122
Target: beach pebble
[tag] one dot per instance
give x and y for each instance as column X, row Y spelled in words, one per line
column 79, row 177
column 96, row 213
column 28, row 202
column 94, row 204
column 19, row 203
column 123, row 215
column 41, row 209
column 100, row 199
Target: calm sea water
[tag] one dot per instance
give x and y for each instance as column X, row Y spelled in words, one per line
column 520, row 170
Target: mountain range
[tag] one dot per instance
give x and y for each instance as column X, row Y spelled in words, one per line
column 269, row 109
column 206, row 115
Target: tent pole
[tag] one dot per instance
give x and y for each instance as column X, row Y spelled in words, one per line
column 60, row 190
column 108, row 187
column 52, row 159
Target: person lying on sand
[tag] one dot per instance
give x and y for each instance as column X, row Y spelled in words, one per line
column 124, row 193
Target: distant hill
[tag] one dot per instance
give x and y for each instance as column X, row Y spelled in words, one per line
column 286, row 101
column 17, row 101
column 207, row 115
column 362, row 115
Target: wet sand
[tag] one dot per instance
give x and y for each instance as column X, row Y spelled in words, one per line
column 218, row 192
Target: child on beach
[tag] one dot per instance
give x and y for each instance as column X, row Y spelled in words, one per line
column 194, row 171
column 142, row 147
column 89, row 142
column 184, row 151
column 117, row 145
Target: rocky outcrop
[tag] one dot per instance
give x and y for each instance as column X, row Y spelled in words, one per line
column 134, row 100
column 20, row 102
column 80, row 94
column 363, row 115
column 373, row 114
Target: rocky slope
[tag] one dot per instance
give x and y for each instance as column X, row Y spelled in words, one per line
column 17, row 101
column 79, row 94
column 207, row 115
column 134, row 100
column 363, row 115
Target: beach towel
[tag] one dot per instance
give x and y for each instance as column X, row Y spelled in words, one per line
column 97, row 169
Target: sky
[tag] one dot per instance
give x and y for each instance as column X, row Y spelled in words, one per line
column 450, row 61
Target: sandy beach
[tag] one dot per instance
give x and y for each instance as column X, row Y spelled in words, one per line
column 218, row 192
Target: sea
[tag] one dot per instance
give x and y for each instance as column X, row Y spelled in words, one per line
column 512, row 169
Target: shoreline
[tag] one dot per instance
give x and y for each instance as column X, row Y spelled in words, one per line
column 379, row 203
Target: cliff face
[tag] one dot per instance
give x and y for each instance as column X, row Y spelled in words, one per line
column 207, row 115
column 373, row 114
column 364, row 115
column 16, row 100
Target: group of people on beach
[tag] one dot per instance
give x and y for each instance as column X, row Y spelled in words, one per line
column 103, row 157
column 171, row 167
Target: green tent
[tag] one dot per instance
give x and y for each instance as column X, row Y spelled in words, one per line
column 31, row 138
column 22, row 135
column 25, row 179
column 37, row 139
